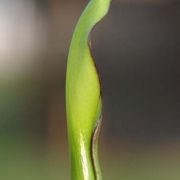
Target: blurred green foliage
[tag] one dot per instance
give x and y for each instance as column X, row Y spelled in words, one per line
column 27, row 160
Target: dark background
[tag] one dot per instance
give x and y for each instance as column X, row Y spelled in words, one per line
column 137, row 51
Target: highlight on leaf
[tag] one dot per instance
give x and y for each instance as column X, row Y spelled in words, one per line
column 83, row 98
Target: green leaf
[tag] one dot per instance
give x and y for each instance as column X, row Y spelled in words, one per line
column 83, row 99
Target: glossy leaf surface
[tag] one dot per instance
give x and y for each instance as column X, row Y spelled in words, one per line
column 83, row 99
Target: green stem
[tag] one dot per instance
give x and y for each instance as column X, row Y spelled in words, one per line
column 83, row 99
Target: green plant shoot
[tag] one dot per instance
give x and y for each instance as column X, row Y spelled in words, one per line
column 83, row 98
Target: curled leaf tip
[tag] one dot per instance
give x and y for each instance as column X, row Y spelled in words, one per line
column 83, row 96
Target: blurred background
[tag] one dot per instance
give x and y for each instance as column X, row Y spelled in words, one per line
column 137, row 52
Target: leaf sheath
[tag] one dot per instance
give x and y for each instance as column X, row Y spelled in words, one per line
column 83, row 98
